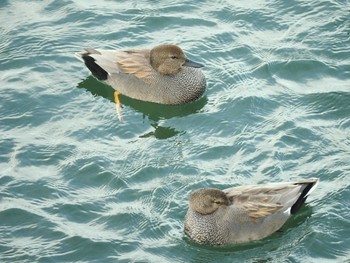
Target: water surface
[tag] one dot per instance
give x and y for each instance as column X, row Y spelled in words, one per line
column 77, row 185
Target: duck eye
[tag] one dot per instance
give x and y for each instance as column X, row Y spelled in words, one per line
column 173, row 57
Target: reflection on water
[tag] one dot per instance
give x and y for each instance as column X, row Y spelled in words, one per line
column 161, row 132
column 153, row 111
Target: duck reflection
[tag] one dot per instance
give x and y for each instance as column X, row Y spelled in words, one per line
column 161, row 132
column 153, row 111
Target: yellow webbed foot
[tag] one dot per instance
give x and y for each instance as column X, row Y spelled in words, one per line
column 118, row 105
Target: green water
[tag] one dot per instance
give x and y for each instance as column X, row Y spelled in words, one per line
column 77, row 185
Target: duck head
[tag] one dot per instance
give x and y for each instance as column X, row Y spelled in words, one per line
column 207, row 200
column 169, row 59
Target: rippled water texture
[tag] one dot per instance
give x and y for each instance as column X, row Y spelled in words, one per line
column 77, row 185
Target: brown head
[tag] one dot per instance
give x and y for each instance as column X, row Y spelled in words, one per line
column 207, row 200
column 169, row 59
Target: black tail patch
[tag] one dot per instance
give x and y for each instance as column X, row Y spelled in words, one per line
column 301, row 200
column 95, row 69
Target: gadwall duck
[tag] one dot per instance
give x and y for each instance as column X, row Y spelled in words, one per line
column 162, row 74
column 244, row 213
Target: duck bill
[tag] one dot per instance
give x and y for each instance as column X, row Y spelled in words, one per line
column 189, row 63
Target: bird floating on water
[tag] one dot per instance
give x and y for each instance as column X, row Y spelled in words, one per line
column 162, row 74
column 244, row 213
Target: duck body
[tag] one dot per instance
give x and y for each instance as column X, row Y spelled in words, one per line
column 245, row 213
column 162, row 75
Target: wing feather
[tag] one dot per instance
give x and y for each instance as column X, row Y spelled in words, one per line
column 135, row 63
column 261, row 201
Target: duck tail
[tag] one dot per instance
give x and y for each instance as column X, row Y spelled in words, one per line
column 307, row 187
column 90, row 62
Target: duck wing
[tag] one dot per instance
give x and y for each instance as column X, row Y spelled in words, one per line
column 104, row 63
column 260, row 201
column 135, row 62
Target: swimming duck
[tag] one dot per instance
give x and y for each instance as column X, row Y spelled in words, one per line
column 244, row 213
column 162, row 74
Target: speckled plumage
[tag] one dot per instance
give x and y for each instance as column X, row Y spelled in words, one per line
column 162, row 75
column 245, row 213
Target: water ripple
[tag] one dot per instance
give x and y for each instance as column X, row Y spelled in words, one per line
column 76, row 184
